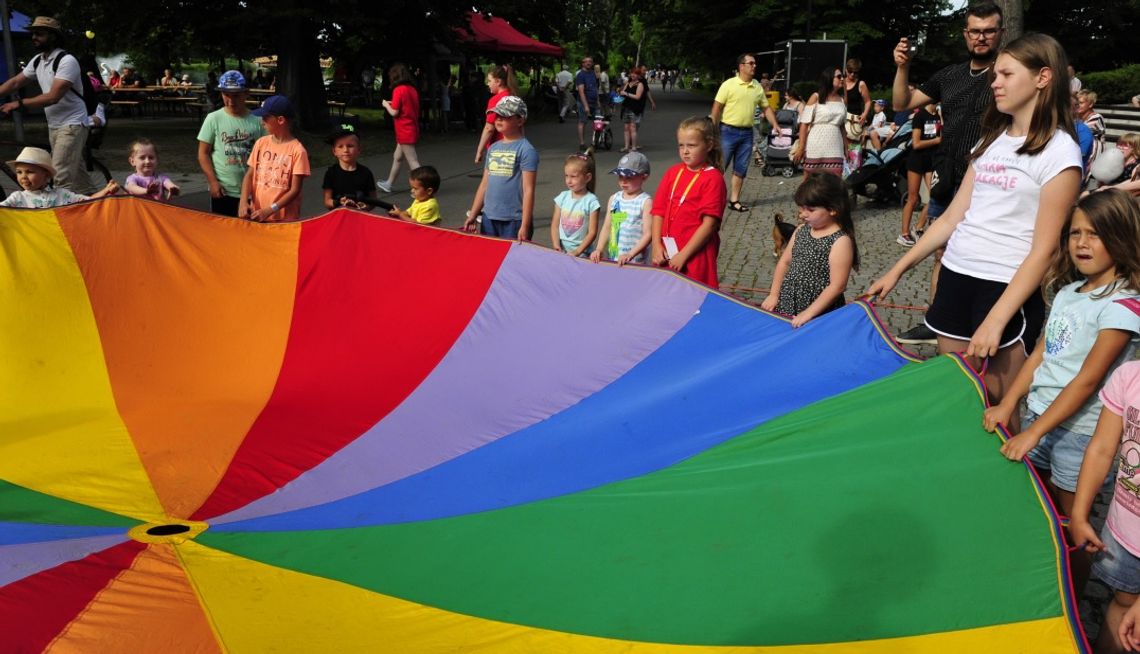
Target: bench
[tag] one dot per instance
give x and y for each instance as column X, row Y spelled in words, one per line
column 199, row 108
column 127, row 106
column 1120, row 119
column 338, row 107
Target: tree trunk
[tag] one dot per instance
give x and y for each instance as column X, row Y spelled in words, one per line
column 299, row 71
column 1013, row 20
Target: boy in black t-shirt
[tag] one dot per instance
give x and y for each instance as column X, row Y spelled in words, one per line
column 347, row 180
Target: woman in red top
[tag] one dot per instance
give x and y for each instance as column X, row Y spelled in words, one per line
column 501, row 82
column 689, row 204
column 404, row 107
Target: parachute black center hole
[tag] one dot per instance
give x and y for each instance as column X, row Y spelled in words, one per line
column 167, row 530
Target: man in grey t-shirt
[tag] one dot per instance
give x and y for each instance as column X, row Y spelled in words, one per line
column 61, row 100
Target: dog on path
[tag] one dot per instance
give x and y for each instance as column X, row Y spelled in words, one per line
column 781, row 233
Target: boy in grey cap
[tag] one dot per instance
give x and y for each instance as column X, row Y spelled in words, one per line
column 625, row 232
column 506, row 194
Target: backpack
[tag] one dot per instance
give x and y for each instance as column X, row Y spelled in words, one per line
column 90, row 100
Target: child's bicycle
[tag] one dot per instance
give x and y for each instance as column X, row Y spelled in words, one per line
column 603, row 135
column 94, row 142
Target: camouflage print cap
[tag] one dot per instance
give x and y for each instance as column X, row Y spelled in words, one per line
column 511, row 105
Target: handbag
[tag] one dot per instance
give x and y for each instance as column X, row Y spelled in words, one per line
column 799, row 146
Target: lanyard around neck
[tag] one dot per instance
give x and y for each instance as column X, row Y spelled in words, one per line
column 684, row 194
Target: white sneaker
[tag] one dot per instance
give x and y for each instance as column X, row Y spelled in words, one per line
column 905, row 240
column 383, row 185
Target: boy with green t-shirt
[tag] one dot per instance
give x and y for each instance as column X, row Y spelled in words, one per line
column 225, row 141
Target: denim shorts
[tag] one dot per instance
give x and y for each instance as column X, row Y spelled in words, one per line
column 933, row 211
column 1116, row 566
column 737, row 146
column 1060, row 451
column 501, row 228
column 586, row 114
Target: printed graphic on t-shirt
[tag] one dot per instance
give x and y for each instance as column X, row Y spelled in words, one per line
column 501, row 163
column 237, row 146
column 1127, row 489
column 995, row 173
column 274, row 170
column 571, row 221
column 1059, row 332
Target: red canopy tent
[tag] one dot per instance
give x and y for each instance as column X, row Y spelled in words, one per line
column 494, row 34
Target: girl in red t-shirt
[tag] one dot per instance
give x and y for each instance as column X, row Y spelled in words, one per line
column 689, row 204
column 501, row 82
column 404, row 107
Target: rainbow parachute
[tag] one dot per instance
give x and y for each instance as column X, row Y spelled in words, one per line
column 353, row 434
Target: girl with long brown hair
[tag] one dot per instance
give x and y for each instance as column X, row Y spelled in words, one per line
column 1000, row 231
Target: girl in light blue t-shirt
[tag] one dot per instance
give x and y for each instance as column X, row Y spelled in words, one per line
column 1093, row 327
column 574, row 225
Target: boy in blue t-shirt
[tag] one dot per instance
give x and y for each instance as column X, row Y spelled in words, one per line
column 506, row 193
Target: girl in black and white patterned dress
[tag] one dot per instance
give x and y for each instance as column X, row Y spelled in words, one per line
column 813, row 271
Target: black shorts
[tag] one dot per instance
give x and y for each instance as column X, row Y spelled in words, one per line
column 920, row 161
column 224, row 206
column 962, row 302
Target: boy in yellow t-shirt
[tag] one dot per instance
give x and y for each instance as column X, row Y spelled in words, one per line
column 425, row 208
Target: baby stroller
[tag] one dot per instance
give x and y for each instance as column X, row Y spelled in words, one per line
column 774, row 151
column 882, row 177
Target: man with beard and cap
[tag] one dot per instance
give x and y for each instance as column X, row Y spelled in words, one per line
column 61, row 100
column 963, row 89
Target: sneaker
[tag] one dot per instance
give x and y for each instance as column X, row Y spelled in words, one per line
column 383, row 185
column 919, row 334
column 905, row 240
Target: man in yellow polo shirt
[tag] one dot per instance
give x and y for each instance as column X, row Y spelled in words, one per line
column 732, row 110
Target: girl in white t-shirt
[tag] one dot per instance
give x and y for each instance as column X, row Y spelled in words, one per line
column 1000, row 231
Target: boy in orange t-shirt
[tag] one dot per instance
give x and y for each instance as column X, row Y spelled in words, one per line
column 278, row 165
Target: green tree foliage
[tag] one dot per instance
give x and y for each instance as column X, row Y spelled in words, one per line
column 1097, row 34
column 708, row 34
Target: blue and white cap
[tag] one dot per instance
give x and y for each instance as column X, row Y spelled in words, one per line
column 232, row 81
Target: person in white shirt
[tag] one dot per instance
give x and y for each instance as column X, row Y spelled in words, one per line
column 61, row 100
column 565, row 80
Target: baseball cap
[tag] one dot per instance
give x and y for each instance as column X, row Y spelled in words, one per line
column 632, row 164
column 231, row 81
column 881, row 101
column 274, row 105
column 511, row 105
column 341, row 132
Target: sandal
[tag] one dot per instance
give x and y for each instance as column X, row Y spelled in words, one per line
column 736, row 206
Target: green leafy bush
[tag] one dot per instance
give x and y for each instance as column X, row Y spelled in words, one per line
column 1113, row 86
